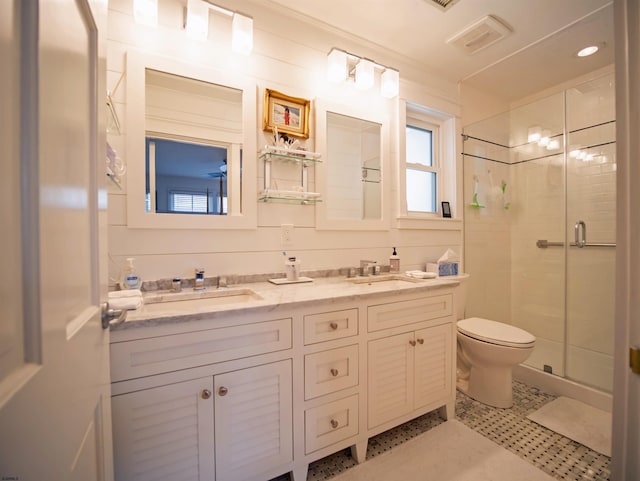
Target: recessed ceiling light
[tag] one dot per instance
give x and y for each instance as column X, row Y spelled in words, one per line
column 585, row 52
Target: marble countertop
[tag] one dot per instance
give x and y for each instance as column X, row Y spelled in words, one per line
column 166, row 307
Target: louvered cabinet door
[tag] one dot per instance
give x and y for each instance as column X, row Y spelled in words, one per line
column 253, row 421
column 165, row 433
column 390, row 377
column 433, row 364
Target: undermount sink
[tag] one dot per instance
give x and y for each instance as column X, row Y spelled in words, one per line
column 380, row 278
column 199, row 299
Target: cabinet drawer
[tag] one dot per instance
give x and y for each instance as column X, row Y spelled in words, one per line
column 330, row 423
column 328, row 326
column 385, row 316
column 329, row 371
column 144, row 357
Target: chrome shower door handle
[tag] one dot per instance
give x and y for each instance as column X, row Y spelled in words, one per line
column 581, row 240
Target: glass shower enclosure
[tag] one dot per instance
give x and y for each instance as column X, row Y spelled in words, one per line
column 539, row 190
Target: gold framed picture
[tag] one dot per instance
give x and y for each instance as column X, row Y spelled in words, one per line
column 289, row 114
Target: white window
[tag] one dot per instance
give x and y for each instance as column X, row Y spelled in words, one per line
column 187, row 202
column 422, row 169
column 427, row 164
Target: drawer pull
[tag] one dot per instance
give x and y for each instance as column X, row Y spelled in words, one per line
column 333, row 326
column 205, row 394
column 412, row 342
column 420, row 341
column 334, row 423
column 334, row 372
column 222, row 391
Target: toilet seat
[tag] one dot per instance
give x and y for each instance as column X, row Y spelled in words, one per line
column 495, row 332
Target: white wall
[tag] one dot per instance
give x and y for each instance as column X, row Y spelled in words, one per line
column 289, row 57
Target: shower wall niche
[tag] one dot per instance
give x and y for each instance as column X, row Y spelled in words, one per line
column 535, row 178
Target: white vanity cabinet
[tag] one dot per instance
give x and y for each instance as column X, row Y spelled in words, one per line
column 230, row 426
column 250, row 395
column 410, row 363
column 332, row 383
column 224, row 421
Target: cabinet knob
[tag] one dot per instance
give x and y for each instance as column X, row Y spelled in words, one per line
column 333, row 326
column 205, row 394
column 222, row 391
column 412, row 342
column 420, row 341
column 334, row 423
column 334, row 372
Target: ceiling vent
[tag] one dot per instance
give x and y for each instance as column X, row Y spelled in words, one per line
column 443, row 5
column 486, row 31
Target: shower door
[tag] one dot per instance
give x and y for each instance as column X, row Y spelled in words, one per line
column 555, row 161
column 590, row 233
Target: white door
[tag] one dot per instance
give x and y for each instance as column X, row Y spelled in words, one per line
column 625, row 462
column 54, row 369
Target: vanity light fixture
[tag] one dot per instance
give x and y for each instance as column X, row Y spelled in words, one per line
column 337, row 65
column 242, row 34
column 197, row 21
column 364, row 74
column 197, row 25
column 343, row 66
column 145, row 12
column 390, row 83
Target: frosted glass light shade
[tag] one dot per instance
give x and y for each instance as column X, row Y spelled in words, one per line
column 242, row 34
column 336, row 65
column 390, row 83
column 364, row 74
column 197, row 26
column 145, row 12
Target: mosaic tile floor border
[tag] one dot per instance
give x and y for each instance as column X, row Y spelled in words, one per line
column 551, row 452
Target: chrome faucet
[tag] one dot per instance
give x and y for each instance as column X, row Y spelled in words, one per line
column 199, row 280
column 364, row 267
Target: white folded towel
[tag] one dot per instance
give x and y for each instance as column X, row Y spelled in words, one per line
column 128, row 299
column 421, row 274
column 125, row 293
column 128, row 303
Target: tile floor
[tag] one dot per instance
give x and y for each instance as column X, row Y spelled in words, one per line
column 553, row 453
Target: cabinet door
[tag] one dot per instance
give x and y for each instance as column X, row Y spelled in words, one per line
column 433, row 364
column 253, row 420
column 165, row 433
column 390, row 377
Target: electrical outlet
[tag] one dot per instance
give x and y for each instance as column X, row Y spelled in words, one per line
column 286, row 234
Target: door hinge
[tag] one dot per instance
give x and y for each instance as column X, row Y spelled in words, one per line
column 634, row 359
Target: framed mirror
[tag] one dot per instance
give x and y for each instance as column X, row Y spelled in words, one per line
column 190, row 146
column 353, row 176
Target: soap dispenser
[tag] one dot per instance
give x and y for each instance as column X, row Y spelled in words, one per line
column 130, row 278
column 394, row 262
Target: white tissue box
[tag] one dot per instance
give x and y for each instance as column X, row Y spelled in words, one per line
column 443, row 268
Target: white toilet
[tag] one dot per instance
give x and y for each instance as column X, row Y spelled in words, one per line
column 487, row 352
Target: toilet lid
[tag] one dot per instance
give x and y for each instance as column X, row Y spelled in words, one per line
column 495, row 332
